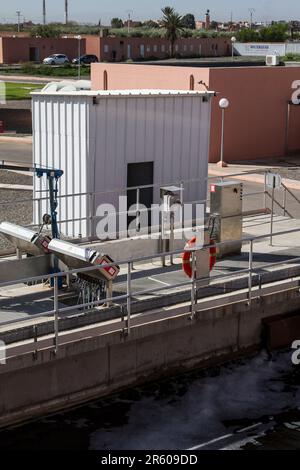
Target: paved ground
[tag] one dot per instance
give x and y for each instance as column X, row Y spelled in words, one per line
column 16, row 152
column 19, row 302
column 17, row 104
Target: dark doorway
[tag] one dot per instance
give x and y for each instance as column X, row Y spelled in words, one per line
column 34, row 54
column 140, row 174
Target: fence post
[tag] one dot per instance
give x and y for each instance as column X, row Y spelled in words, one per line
column 40, row 217
column 272, row 214
column 265, row 191
column 284, row 202
column 193, row 293
column 250, row 273
column 55, row 314
column 128, row 322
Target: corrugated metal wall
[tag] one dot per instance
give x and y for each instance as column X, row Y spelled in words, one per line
column 173, row 132
column 93, row 143
column 60, row 131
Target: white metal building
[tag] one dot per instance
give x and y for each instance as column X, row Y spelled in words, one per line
column 106, row 141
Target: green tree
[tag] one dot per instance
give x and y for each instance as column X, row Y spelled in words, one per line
column 275, row 33
column 214, row 25
column 116, row 23
column 45, row 31
column 189, row 21
column 248, row 35
column 151, row 24
column 172, row 22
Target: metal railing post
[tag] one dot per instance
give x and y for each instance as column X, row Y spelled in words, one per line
column 55, row 314
column 137, row 209
column 181, row 192
column 193, row 293
column 39, row 210
column 272, row 217
column 128, row 322
column 265, row 191
column 91, row 211
column 284, row 201
column 250, row 273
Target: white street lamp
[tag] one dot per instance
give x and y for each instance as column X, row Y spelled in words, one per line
column 233, row 41
column 223, row 103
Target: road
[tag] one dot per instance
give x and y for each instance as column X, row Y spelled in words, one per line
column 16, row 152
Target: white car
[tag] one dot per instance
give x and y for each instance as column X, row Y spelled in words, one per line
column 56, row 59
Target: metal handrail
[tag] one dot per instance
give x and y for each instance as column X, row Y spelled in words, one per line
column 134, row 188
column 290, row 192
column 56, row 312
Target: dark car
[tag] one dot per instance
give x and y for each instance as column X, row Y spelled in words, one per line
column 85, row 59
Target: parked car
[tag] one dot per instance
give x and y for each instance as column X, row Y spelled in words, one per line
column 86, row 59
column 56, row 59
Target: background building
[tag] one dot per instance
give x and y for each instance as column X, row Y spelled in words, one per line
column 26, row 49
column 109, row 49
column 258, row 124
column 122, row 48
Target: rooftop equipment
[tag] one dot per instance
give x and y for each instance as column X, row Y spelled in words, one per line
column 272, row 60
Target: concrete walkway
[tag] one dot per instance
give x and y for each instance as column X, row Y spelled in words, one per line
column 15, row 139
column 241, row 173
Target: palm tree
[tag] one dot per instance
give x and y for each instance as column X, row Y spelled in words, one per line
column 173, row 24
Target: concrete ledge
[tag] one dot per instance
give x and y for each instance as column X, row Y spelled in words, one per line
column 93, row 367
column 12, row 334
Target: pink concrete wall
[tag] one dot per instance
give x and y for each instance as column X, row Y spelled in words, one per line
column 294, row 130
column 93, row 45
column 15, row 50
column 255, row 125
column 130, row 76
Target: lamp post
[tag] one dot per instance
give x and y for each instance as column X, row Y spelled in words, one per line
column 223, row 103
column 18, row 15
column 233, row 41
column 130, row 14
column 79, row 54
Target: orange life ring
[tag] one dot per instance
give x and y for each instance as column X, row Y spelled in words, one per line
column 186, row 257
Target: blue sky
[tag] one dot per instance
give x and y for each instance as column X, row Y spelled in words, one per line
column 92, row 10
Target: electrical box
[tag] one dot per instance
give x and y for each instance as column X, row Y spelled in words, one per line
column 226, row 208
column 272, row 60
column 170, row 196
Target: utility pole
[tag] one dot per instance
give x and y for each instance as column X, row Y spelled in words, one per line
column 44, row 12
column 18, row 15
column 66, row 12
column 130, row 12
column 251, row 11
